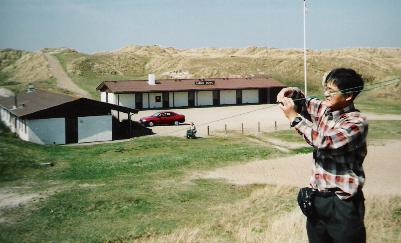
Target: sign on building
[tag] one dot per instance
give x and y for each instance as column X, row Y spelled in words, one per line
column 204, row 82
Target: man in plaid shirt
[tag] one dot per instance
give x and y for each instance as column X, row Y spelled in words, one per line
column 337, row 132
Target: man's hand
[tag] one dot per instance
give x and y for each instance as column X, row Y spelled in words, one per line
column 286, row 92
column 289, row 92
column 287, row 103
column 288, row 107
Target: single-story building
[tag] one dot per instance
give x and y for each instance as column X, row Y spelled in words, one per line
column 171, row 93
column 48, row 118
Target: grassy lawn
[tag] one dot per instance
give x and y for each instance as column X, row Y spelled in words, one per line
column 384, row 130
column 378, row 130
column 378, row 105
column 141, row 190
column 124, row 190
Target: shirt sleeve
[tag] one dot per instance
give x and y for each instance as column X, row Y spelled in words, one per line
column 310, row 108
column 348, row 131
column 315, row 108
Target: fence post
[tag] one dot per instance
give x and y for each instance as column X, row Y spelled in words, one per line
column 225, row 128
column 242, row 128
column 275, row 125
column 130, row 124
column 258, row 127
column 208, row 130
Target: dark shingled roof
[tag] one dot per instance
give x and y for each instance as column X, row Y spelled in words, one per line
column 39, row 100
column 187, row 84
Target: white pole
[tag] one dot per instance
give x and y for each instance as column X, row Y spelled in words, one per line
column 305, row 80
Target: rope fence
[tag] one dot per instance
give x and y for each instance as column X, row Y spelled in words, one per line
column 243, row 127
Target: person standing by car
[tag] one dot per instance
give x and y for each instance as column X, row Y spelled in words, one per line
column 337, row 132
column 193, row 128
column 191, row 132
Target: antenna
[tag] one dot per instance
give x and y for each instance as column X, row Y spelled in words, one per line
column 305, row 79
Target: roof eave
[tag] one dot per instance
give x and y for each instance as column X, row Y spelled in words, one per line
column 183, row 90
column 101, row 85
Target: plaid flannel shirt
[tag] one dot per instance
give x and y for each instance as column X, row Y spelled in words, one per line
column 339, row 141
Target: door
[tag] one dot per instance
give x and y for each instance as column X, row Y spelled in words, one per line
column 263, row 96
column 164, row 118
column 272, row 94
column 139, row 100
column 216, row 97
column 166, row 100
column 71, row 130
column 169, row 117
column 239, row 96
column 191, row 98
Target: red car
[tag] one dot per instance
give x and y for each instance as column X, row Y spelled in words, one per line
column 162, row 117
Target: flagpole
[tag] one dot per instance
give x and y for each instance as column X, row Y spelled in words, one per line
column 305, row 80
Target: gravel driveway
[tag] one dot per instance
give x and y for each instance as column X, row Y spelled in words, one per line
column 251, row 116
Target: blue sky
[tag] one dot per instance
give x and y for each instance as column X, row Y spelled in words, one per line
column 100, row 25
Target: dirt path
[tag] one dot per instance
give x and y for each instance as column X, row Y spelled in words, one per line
column 63, row 80
column 382, row 167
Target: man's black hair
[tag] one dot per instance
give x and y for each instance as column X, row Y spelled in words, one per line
column 347, row 80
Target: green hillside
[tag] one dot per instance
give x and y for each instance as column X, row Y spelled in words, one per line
column 135, row 62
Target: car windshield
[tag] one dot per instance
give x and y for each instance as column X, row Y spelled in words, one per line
column 156, row 114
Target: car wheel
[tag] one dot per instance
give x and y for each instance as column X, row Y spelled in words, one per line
column 176, row 123
column 151, row 124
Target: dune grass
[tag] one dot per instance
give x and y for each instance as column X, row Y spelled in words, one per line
column 144, row 190
column 87, row 77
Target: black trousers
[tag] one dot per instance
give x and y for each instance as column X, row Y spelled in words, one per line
column 338, row 220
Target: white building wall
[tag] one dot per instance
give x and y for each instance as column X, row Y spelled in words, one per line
column 152, row 100
column 145, row 102
column 112, row 98
column 103, row 96
column 170, row 99
column 204, row 98
column 11, row 123
column 95, row 128
column 127, row 100
column 180, row 99
column 250, row 96
column 2, row 114
column 22, row 129
column 228, row 97
column 9, row 119
column 46, row 131
column 5, row 117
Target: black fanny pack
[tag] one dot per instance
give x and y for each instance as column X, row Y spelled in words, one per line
column 305, row 200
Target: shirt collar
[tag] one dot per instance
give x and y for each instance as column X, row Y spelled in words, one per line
column 338, row 113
